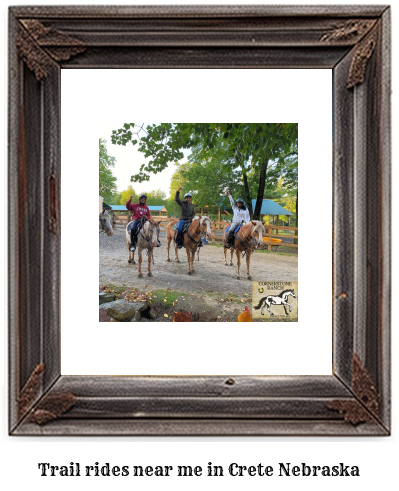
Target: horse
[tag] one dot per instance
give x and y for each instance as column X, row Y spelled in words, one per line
column 244, row 242
column 105, row 223
column 147, row 238
column 200, row 226
column 280, row 299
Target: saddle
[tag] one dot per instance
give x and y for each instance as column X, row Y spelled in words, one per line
column 140, row 225
column 185, row 228
column 231, row 240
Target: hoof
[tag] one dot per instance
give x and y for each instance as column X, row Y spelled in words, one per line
column 177, row 261
column 149, row 274
column 231, row 264
column 190, row 273
column 140, row 275
column 250, row 277
column 129, row 261
column 133, row 262
column 238, row 278
column 168, row 260
column 225, row 264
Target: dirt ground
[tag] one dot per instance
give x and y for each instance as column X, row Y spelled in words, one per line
column 212, row 293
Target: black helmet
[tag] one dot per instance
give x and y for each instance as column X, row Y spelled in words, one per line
column 188, row 195
column 143, row 196
column 239, row 200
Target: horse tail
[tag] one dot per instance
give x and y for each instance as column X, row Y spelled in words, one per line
column 260, row 303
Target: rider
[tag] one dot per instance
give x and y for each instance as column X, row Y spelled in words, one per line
column 241, row 214
column 140, row 210
column 187, row 212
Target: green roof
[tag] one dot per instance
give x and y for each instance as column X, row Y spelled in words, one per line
column 270, row 207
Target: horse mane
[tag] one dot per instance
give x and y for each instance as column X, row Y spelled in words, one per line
column 282, row 293
column 258, row 224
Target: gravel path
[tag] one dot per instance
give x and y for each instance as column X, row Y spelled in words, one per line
column 210, row 272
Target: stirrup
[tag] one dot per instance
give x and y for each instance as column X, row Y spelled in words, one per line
column 159, row 244
column 132, row 247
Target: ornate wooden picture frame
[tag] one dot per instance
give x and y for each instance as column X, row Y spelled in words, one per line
column 353, row 42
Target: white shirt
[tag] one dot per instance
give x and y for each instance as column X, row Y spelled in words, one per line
column 239, row 214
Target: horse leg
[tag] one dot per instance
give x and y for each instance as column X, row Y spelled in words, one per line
column 168, row 241
column 149, row 263
column 140, row 261
column 263, row 308
column 189, row 261
column 249, row 265
column 225, row 254
column 176, row 254
column 231, row 256
column 285, row 308
column 238, row 264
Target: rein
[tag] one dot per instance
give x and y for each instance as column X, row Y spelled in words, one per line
column 197, row 249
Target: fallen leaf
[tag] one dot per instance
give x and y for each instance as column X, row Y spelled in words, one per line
column 165, row 315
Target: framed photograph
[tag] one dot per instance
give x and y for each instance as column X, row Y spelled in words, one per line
column 351, row 398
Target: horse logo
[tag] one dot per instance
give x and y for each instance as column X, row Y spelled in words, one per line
column 281, row 299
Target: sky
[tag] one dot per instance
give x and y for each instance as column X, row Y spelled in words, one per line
column 129, row 160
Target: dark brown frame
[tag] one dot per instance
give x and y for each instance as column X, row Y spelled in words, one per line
column 353, row 41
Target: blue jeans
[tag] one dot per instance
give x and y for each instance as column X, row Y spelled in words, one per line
column 179, row 230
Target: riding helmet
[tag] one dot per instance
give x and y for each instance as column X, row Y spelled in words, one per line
column 188, row 195
column 143, row 196
column 239, row 200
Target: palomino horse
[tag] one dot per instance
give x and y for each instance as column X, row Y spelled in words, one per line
column 244, row 242
column 200, row 226
column 147, row 238
column 105, row 223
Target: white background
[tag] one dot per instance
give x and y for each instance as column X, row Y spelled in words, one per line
column 376, row 457
column 302, row 348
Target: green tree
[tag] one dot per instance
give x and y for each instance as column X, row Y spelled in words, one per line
column 125, row 195
column 156, row 198
column 240, row 147
column 107, row 181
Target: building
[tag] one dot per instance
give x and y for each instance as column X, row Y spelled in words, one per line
column 156, row 211
column 270, row 207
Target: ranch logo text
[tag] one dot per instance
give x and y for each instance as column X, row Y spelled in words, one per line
column 272, row 300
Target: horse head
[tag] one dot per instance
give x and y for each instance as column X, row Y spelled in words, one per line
column 151, row 232
column 257, row 229
column 105, row 223
column 205, row 226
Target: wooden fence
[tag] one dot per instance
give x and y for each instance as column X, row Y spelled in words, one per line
column 271, row 231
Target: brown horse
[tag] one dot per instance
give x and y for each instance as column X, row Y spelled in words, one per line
column 200, row 226
column 244, row 242
column 147, row 238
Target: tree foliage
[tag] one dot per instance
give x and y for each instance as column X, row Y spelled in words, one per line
column 236, row 155
column 107, row 181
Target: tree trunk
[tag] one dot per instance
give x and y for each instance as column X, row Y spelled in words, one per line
column 247, row 193
column 261, row 190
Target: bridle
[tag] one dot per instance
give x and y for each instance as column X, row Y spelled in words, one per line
column 200, row 234
column 249, row 240
column 150, row 244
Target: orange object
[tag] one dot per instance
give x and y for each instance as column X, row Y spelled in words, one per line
column 182, row 317
column 245, row 316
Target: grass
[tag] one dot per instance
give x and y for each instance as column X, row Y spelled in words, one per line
column 168, row 297
column 262, row 251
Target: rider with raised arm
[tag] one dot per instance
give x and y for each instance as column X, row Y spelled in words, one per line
column 187, row 212
column 241, row 214
column 140, row 212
